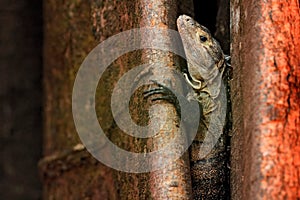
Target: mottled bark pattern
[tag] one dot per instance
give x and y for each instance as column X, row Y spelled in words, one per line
column 68, row 39
column 265, row 93
column 172, row 182
column 108, row 18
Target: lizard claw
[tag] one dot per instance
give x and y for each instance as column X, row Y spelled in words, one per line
column 166, row 94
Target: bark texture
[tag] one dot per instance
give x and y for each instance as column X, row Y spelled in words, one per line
column 66, row 170
column 265, row 94
column 72, row 29
column 173, row 181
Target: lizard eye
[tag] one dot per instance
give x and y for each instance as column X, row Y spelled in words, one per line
column 203, row 38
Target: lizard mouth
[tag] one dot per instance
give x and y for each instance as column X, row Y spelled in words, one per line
column 194, row 83
column 191, row 81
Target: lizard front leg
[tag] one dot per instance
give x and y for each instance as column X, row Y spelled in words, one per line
column 164, row 93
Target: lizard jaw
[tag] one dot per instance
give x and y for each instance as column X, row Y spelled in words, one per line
column 194, row 83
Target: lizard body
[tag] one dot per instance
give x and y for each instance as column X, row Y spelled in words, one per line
column 204, row 71
column 206, row 63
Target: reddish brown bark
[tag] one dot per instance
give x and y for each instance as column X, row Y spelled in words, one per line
column 266, row 110
column 67, row 172
column 173, row 181
column 72, row 29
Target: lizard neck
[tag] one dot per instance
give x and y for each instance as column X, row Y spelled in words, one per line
column 211, row 83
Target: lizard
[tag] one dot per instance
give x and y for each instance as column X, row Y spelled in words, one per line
column 204, row 72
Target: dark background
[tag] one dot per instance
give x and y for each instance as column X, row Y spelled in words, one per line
column 20, row 98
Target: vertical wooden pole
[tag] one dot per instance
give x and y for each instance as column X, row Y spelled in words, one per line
column 173, row 181
column 72, row 29
column 265, row 89
column 67, row 169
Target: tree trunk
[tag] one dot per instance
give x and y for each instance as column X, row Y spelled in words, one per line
column 72, row 29
column 68, row 171
column 265, row 93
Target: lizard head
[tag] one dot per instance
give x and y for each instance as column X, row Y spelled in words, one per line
column 204, row 55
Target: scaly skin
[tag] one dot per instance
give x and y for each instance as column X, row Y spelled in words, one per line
column 204, row 72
